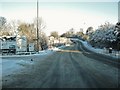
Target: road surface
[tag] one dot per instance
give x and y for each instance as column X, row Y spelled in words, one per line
column 68, row 68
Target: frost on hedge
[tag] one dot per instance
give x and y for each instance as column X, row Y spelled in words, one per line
column 107, row 35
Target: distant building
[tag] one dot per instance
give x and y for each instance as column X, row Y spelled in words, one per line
column 31, row 47
column 57, row 42
column 15, row 45
column 8, row 44
column 21, row 43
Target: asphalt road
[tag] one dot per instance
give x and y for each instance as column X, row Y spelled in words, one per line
column 68, row 68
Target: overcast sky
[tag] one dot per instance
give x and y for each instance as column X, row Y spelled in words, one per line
column 61, row 16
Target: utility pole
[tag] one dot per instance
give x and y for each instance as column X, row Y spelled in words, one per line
column 37, row 27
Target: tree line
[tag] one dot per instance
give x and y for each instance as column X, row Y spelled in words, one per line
column 106, row 35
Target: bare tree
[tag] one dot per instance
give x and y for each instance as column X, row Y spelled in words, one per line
column 14, row 26
column 41, row 26
column 89, row 30
column 54, row 34
column 3, row 21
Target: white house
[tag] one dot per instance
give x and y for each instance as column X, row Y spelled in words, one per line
column 14, row 44
column 60, row 40
column 31, row 47
column 21, row 43
column 8, row 44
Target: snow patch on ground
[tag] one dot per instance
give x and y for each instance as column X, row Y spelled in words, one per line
column 57, row 48
column 9, row 66
column 44, row 52
column 16, row 63
column 114, row 54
